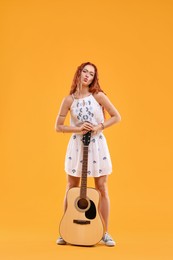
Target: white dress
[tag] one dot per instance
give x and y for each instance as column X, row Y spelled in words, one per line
column 99, row 161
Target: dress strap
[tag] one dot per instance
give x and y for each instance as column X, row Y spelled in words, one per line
column 72, row 96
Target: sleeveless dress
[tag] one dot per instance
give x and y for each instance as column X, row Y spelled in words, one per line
column 99, row 161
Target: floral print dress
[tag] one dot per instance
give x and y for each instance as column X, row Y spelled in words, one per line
column 99, row 161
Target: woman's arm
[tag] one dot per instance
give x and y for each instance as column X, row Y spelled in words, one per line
column 104, row 101
column 59, row 124
column 60, row 119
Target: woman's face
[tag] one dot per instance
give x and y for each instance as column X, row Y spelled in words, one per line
column 87, row 75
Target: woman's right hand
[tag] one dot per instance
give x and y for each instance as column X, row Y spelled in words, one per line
column 85, row 127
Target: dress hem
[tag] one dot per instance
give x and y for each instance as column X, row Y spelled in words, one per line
column 99, row 175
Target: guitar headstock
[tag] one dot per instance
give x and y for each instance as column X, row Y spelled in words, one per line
column 86, row 138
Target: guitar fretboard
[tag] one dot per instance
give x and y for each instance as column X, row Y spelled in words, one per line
column 84, row 173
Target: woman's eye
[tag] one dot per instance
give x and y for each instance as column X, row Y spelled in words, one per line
column 85, row 71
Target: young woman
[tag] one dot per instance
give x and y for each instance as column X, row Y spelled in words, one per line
column 87, row 104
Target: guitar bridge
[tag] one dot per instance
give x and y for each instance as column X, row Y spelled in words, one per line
column 81, row 222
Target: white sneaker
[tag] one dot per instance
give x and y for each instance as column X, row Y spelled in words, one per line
column 107, row 239
column 60, row 241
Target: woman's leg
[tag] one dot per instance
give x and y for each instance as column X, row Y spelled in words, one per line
column 71, row 183
column 101, row 185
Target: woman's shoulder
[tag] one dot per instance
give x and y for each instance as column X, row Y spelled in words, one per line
column 68, row 100
column 99, row 96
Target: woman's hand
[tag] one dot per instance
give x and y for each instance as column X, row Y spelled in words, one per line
column 85, row 127
column 97, row 128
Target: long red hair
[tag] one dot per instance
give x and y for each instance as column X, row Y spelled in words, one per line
column 94, row 87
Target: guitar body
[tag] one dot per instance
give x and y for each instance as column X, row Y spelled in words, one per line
column 82, row 223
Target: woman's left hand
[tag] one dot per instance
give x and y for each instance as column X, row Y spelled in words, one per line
column 96, row 128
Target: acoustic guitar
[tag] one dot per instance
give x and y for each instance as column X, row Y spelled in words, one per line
column 82, row 223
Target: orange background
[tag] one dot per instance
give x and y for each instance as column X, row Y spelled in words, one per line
column 42, row 43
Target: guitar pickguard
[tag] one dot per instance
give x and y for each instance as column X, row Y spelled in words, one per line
column 91, row 212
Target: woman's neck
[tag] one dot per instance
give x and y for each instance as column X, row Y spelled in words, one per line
column 84, row 89
column 82, row 92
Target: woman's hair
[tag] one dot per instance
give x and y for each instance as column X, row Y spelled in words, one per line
column 94, row 87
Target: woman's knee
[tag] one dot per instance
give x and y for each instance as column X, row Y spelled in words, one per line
column 101, row 185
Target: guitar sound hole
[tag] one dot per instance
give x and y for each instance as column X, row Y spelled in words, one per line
column 82, row 204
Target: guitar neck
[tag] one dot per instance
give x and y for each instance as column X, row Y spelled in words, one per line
column 84, row 173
